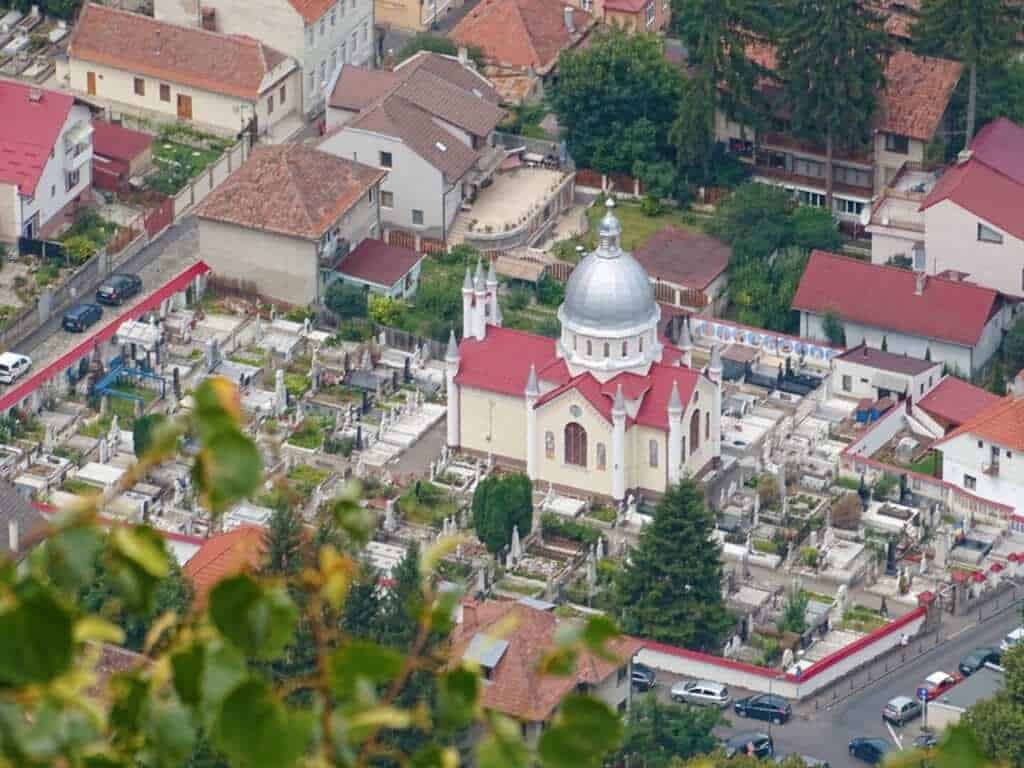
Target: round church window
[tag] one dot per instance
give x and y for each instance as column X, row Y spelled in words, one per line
column 576, row 411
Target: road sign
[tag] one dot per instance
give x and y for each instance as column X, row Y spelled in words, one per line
column 922, row 694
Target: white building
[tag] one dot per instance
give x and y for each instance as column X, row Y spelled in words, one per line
column 985, row 455
column 863, row 372
column 928, row 317
column 45, row 159
column 319, row 34
column 430, row 124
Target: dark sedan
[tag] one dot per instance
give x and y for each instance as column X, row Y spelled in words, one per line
column 118, row 288
column 643, row 677
column 750, row 743
column 870, row 750
column 764, row 707
column 977, row 659
column 81, row 317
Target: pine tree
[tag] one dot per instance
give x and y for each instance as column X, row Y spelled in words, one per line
column 831, row 60
column 284, row 543
column 401, row 606
column 362, row 613
column 499, row 505
column 692, row 132
column 977, row 32
column 671, row 591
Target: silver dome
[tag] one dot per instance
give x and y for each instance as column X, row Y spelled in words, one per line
column 609, row 290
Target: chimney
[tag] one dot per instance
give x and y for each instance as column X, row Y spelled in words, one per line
column 463, row 56
column 569, row 23
column 919, row 282
column 963, row 156
column 13, row 537
column 35, row 95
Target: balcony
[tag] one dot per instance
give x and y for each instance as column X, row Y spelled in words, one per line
column 817, row 183
column 992, row 469
column 333, row 251
column 77, row 155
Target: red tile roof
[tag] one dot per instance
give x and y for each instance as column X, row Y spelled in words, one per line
column 117, row 142
column 1001, row 423
column 28, row 130
column 684, row 257
column 358, row 87
column 917, row 90
column 955, row 401
column 520, row 33
column 991, row 183
column 884, row 297
column 515, row 686
column 223, row 555
column 625, row 6
column 377, row 262
column 312, row 10
column 232, row 65
column 290, row 189
column 864, row 355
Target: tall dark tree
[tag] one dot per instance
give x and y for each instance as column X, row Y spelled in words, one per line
column 659, row 735
column 671, row 591
column 998, row 721
column 499, row 505
column 831, row 61
column 361, row 615
column 400, row 610
column 284, row 543
column 977, row 32
column 693, row 131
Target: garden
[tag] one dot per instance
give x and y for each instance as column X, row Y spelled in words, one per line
column 311, row 432
column 180, row 153
column 426, row 503
column 89, row 234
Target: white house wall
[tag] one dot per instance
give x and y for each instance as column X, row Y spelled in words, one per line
column 963, row 456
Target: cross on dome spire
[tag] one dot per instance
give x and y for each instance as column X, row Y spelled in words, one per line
column 609, row 232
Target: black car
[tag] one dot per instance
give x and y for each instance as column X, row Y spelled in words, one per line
column 764, row 707
column 752, row 743
column 977, row 659
column 117, row 288
column 870, row 750
column 81, row 317
column 643, row 677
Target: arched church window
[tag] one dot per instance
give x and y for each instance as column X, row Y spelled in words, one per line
column 602, row 456
column 607, row 349
column 549, row 444
column 575, row 444
column 652, row 450
column 625, row 348
column 590, row 349
column 641, row 344
column 695, row 431
column 707, row 425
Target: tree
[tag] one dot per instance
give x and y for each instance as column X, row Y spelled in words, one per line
column 361, row 616
column 755, row 221
column 831, row 61
column 794, row 613
column 768, row 491
column 284, row 543
column 499, row 505
column 835, row 331
column 998, row 721
column 657, row 734
column 847, row 511
column 997, row 385
column 142, row 432
column 815, row 228
column 345, row 300
column 671, row 589
column 616, row 99
column 400, row 609
column 425, row 41
column 977, row 32
column 1013, row 347
column 692, row 132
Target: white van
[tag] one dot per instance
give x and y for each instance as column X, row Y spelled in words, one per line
column 13, row 367
column 1012, row 640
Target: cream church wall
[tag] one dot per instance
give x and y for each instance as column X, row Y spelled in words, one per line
column 492, row 423
column 553, row 416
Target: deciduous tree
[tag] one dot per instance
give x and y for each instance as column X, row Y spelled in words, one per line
column 658, row 735
column 499, row 505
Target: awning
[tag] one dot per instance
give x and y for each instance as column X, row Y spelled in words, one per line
column 889, row 381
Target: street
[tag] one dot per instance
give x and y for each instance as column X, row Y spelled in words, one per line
column 824, row 732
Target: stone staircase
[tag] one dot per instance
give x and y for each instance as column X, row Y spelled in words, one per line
column 457, row 234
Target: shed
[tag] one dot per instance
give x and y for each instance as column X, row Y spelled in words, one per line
column 118, row 155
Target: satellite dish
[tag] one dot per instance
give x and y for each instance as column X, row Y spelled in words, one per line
column 865, row 216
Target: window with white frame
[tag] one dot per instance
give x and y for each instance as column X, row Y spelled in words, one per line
column 848, row 206
column 587, row 5
column 417, row 217
column 651, row 13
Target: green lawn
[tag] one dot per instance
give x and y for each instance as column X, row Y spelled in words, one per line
column 637, row 227
column 176, row 164
column 929, row 465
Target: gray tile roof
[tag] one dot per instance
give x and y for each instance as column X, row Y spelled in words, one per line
column 14, row 508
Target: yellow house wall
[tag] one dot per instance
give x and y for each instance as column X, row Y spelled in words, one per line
column 552, row 417
column 9, row 226
column 403, row 14
column 501, row 418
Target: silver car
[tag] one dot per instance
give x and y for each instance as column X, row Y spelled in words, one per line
column 702, row 693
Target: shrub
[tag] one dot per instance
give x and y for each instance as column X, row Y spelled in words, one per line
column 811, row 556
column 652, row 206
column 79, row 249
column 550, row 292
column 518, row 298
column 353, row 331
column 345, row 300
column 343, row 446
column 846, row 512
column 384, row 310
column 553, row 525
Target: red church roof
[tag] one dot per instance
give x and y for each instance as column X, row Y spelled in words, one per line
column 885, row 297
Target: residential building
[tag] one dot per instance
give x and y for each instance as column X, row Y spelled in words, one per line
column 954, row 401
column 508, row 639
column 865, row 372
column 605, row 410
column 224, row 555
column 283, row 222
column 45, row 160
column 429, row 123
column 119, row 154
column 985, row 454
column 133, row 63
column 927, row 317
column 413, row 15
column 639, row 16
column 911, row 112
column 20, row 522
column 391, row 270
column 521, row 41
column 689, row 269
column 319, row 34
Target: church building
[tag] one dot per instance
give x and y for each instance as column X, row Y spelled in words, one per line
column 608, row 408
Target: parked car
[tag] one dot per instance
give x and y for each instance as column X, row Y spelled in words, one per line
column 901, row 710
column 118, row 288
column 870, row 750
column 810, row 762
column 13, row 366
column 977, row 659
column 643, row 677
column 81, row 317
column 1012, row 640
column 702, row 693
column 940, row 682
column 764, row 707
column 750, row 742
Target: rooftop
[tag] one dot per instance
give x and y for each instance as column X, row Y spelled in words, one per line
column 223, row 555
column 232, row 65
column 684, row 257
column 117, row 142
column 886, row 361
column 1001, row 423
column 377, row 262
column 290, row 189
column 30, row 127
column 983, row 684
column 917, row 90
column 886, row 298
column 14, row 508
column 521, row 33
column 956, row 401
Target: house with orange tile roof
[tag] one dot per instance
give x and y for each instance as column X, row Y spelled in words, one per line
column 133, row 63
column 224, row 555
column 635, row 16
column 985, row 454
column 283, row 222
column 320, row 35
column 507, row 639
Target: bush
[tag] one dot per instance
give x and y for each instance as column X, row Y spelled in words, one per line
column 811, row 555
column 883, row 486
column 548, row 326
column 554, row 525
column 353, row 331
column 384, row 310
column 768, row 491
column 460, row 254
column 345, row 300
column 550, row 292
column 518, row 298
column 652, row 206
column 499, row 505
column 300, row 314
column 79, row 249
column 846, row 512
column 343, row 446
